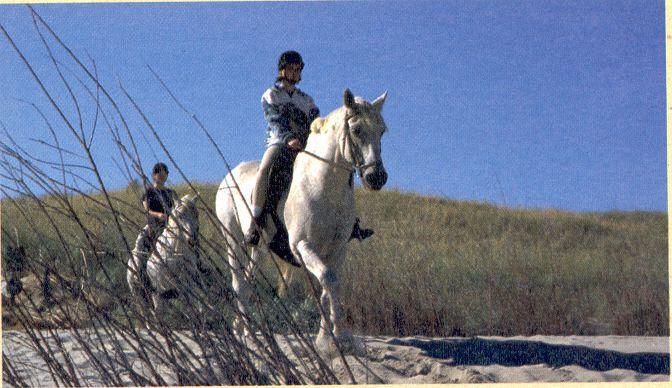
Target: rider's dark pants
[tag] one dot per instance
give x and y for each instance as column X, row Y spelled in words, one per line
column 261, row 186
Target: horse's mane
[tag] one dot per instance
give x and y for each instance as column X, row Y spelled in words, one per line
column 172, row 229
column 321, row 125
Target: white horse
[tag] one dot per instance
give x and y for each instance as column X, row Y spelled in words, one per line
column 173, row 262
column 319, row 209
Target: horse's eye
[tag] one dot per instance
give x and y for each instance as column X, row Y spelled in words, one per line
column 357, row 130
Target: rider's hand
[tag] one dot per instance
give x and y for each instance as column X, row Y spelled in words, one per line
column 294, row 144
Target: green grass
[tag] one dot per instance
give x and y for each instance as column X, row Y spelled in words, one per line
column 441, row 267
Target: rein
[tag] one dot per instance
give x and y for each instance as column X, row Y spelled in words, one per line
column 357, row 164
column 344, row 166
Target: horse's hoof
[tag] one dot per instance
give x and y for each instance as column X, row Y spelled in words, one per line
column 241, row 331
column 324, row 343
column 352, row 345
column 242, row 334
column 169, row 294
column 347, row 343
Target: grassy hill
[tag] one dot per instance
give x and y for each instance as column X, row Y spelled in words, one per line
column 434, row 267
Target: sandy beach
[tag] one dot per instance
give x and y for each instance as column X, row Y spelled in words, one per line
column 410, row 360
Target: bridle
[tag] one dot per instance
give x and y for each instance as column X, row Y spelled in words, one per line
column 358, row 163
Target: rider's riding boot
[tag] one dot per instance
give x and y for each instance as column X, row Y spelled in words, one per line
column 360, row 234
column 280, row 246
column 146, row 283
column 253, row 234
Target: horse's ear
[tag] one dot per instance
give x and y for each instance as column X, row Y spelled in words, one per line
column 378, row 102
column 348, row 99
column 192, row 199
column 316, row 126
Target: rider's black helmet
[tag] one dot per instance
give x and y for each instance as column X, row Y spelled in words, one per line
column 289, row 57
column 159, row 167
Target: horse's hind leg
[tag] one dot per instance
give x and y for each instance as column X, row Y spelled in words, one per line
column 135, row 280
column 131, row 276
column 157, row 302
column 242, row 269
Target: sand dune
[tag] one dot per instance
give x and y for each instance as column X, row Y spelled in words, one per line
column 437, row 360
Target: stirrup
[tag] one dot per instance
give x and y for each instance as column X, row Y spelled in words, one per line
column 360, row 234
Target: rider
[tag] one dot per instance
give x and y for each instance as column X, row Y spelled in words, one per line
column 158, row 202
column 289, row 112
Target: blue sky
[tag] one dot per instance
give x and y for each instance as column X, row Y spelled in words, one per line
column 535, row 104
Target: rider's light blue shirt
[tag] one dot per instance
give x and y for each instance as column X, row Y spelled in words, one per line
column 281, row 107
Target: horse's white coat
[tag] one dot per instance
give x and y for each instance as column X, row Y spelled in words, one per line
column 319, row 209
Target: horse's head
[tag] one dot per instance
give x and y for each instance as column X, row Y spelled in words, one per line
column 361, row 126
column 364, row 126
column 184, row 220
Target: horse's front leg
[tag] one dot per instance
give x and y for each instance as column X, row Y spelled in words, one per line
column 330, row 314
column 341, row 333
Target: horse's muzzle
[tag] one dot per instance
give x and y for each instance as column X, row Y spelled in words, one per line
column 376, row 179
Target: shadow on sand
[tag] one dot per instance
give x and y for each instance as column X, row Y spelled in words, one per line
column 478, row 351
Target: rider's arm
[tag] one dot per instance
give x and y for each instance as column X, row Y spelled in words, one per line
column 314, row 111
column 152, row 213
column 303, row 129
column 175, row 197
